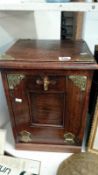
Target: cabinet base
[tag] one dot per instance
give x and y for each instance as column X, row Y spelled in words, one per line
column 49, row 147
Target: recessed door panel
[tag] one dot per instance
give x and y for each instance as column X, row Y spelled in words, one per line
column 47, row 109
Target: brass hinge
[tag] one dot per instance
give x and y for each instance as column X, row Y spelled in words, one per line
column 69, row 138
column 25, row 136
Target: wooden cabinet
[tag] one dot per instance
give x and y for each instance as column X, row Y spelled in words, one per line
column 47, row 85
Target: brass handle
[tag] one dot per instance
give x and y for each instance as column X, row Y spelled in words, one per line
column 45, row 82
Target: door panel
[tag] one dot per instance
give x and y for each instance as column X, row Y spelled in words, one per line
column 75, row 98
column 47, row 109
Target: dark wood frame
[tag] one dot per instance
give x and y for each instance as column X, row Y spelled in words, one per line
column 93, row 131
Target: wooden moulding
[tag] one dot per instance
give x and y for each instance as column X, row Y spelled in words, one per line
column 49, row 147
column 93, row 131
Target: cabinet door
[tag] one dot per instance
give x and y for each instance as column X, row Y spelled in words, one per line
column 47, row 108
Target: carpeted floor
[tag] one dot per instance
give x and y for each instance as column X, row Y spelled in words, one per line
column 79, row 164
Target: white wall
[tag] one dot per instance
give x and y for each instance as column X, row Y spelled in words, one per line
column 4, row 114
column 34, row 25
column 90, row 32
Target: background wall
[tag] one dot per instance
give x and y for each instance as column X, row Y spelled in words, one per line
column 34, row 25
column 4, row 114
column 90, row 31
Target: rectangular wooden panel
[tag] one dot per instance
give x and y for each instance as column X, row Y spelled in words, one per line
column 47, row 109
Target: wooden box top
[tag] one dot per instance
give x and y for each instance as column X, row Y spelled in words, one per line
column 48, row 54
